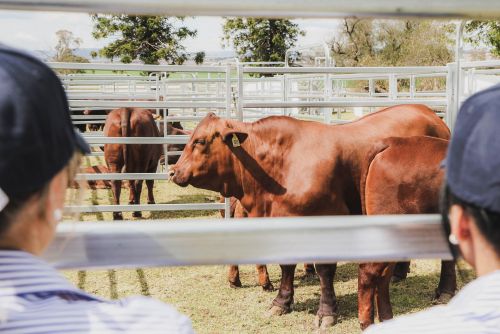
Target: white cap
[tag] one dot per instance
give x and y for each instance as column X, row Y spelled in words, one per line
column 4, row 200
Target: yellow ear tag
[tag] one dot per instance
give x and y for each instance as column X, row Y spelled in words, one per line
column 235, row 140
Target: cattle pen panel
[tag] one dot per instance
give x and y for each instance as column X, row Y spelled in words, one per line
column 290, row 91
column 98, row 92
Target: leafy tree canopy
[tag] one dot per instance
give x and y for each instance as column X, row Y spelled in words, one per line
column 150, row 39
column 487, row 32
column 66, row 46
column 392, row 43
column 260, row 39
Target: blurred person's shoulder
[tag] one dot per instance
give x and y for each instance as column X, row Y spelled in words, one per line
column 35, row 298
column 475, row 309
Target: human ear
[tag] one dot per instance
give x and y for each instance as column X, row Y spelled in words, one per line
column 460, row 222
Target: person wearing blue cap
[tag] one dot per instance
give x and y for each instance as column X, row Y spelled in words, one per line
column 40, row 152
column 471, row 220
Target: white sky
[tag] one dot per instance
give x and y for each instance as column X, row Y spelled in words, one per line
column 36, row 30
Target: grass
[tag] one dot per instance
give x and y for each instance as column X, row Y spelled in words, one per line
column 203, row 293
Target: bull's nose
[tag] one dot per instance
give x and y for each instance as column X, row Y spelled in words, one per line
column 171, row 173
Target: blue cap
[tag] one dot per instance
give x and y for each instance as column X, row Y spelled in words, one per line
column 37, row 138
column 473, row 159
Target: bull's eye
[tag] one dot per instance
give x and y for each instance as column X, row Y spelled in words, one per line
column 200, row 141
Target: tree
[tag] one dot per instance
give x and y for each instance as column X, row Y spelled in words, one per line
column 260, row 39
column 199, row 58
column 150, row 39
column 66, row 46
column 487, row 32
column 392, row 43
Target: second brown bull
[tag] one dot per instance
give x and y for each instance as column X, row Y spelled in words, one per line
column 131, row 158
column 404, row 177
column 280, row 166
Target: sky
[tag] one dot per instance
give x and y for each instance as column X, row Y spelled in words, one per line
column 36, row 30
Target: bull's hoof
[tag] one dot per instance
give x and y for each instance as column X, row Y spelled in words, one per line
column 276, row 310
column 137, row 214
column 324, row 322
column 235, row 285
column 117, row 216
column 268, row 287
column 397, row 279
column 364, row 325
column 442, row 298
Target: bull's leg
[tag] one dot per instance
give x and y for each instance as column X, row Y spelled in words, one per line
column 233, row 276
column 131, row 194
column 116, row 188
column 373, row 283
column 327, row 312
column 447, row 282
column 366, row 294
column 382, row 296
column 137, row 197
column 151, row 197
column 401, row 271
column 264, row 281
column 150, row 185
column 283, row 302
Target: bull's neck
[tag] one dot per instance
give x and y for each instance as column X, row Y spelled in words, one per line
column 258, row 164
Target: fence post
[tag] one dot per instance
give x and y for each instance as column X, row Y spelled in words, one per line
column 412, row 86
column 327, row 112
column 285, row 92
column 450, row 94
column 393, row 87
column 239, row 104
column 227, row 201
column 228, row 90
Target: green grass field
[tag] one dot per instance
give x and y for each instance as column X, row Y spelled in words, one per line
column 203, row 293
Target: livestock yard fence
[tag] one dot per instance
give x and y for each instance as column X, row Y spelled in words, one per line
column 249, row 92
column 239, row 90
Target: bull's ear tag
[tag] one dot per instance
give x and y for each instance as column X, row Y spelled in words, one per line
column 235, row 140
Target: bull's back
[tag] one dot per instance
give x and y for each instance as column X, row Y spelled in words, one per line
column 405, row 176
column 402, row 120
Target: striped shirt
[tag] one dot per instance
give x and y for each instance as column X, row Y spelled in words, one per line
column 475, row 309
column 35, row 298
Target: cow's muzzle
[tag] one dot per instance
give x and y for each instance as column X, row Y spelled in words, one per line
column 175, row 176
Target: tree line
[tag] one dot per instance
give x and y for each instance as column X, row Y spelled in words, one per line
column 356, row 42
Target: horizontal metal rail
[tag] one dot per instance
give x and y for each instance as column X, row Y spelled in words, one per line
column 346, row 70
column 265, row 8
column 135, row 67
column 97, row 95
column 84, row 117
column 145, row 104
column 121, row 176
column 248, row 241
column 144, row 207
column 181, row 139
column 379, row 102
column 89, row 121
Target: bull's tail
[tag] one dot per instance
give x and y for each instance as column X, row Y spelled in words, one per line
column 376, row 149
column 125, row 126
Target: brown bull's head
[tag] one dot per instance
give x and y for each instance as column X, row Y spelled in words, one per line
column 207, row 161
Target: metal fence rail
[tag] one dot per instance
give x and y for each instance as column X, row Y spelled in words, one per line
column 263, row 8
column 248, row 241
